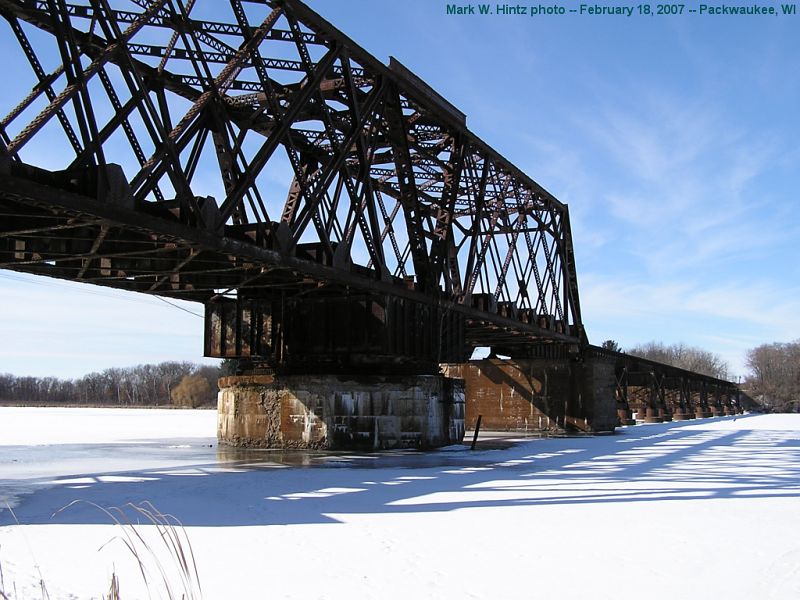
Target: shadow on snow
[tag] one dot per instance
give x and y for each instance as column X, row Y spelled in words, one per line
column 669, row 462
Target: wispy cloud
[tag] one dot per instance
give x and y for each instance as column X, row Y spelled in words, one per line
column 775, row 310
column 728, row 318
column 684, row 185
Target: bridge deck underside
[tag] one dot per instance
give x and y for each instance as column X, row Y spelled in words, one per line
column 56, row 233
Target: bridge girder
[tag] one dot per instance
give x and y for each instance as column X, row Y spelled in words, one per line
column 264, row 150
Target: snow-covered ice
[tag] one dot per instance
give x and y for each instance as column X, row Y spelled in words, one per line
column 694, row 510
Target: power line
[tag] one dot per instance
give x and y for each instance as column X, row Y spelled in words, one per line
column 56, row 284
column 179, row 307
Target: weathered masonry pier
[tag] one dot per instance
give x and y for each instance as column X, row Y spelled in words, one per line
column 337, row 370
column 351, row 240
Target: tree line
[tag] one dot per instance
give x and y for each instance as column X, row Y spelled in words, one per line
column 181, row 383
column 774, row 379
column 685, row 357
column 678, row 355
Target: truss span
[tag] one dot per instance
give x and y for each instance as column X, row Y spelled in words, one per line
column 203, row 150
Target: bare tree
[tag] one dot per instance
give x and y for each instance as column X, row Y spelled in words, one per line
column 684, row 357
column 142, row 385
column 774, row 378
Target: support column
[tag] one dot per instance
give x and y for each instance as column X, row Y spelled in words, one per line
column 674, row 400
column 655, row 410
column 638, row 398
column 336, row 369
column 702, row 402
column 535, row 395
column 714, row 405
column 729, row 403
column 340, row 412
column 678, row 400
column 624, row 413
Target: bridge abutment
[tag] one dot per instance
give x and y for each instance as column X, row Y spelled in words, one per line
column 536, row 395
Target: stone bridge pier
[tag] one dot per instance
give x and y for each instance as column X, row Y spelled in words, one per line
column 336, row 370
column 340, row 369
column 340, row 411
column 540, row 394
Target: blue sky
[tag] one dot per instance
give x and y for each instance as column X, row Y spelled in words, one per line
column 674, row 140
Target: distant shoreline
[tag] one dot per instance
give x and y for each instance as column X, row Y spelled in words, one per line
column 17, row 404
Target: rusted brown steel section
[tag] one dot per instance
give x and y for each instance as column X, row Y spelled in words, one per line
column 336, row 333
column 389, row 195
column 656, row 392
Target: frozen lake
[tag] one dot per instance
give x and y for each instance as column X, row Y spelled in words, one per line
column 692, row 510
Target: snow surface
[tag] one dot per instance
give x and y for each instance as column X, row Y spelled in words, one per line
column 696, row 510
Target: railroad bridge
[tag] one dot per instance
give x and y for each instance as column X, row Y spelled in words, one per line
column 351, row 240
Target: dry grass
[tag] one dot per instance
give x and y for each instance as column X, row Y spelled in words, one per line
column 167, row 566
column 3, row 595
column 113, row 590
column 159, row 544
column 42, row 587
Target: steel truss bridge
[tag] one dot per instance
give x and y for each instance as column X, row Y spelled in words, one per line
column 330, row 211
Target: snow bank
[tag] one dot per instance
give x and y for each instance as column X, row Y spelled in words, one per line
column 693, row 510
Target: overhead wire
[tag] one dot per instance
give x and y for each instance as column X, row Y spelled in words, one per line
column 11, row 277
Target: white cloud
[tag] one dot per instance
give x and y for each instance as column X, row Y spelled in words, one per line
column 725, row 318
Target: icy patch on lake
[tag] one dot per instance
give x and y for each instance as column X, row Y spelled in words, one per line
column 690, row 510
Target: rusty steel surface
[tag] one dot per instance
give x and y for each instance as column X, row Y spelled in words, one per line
column 171, row 127
column 665, row 392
